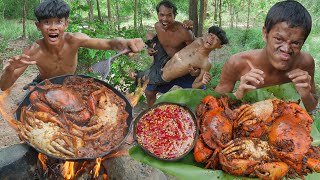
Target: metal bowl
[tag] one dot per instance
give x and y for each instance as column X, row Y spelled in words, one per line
column 59, row 80
column 196, row 133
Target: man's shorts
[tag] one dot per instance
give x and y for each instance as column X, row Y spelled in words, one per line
column 183, row 82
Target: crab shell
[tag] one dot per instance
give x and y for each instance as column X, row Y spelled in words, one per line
column 64, row 99
column 254, row 120
column 55, row 99
column 290, row 140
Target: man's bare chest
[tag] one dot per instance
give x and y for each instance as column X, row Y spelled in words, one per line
column 171, row 39
column 57, row 59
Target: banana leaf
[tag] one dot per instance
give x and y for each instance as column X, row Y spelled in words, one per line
column 187, row 168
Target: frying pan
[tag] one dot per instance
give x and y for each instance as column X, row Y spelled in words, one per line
column 59, row 80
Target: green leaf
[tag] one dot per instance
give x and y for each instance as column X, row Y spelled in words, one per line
column 286, row 92
column 186, row 168
column 92, row 53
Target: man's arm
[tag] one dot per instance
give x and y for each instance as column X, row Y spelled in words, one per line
column 228, row 77
column 117, row 44
column 201, row 80
column 189, row 36
column 238, row 68
column 304, row 83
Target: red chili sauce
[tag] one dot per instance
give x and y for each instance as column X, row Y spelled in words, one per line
column 167, row 131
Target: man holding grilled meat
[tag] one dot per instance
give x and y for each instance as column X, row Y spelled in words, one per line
column 171, row 36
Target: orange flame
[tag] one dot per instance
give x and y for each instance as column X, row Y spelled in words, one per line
column 43, row 159
column 3, row 110
column 97, row 167
column 68, row 170
column 6, row 114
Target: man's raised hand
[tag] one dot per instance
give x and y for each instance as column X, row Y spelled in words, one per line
column 18, row 62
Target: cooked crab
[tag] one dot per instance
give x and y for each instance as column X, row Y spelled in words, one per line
column 56, row 99
column 253, row 119
column 290, row 141
column 286, row 126
column 251, row 157
column 215, row 130
column 46, row 133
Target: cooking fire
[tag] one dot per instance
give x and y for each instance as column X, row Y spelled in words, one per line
column 51, row 168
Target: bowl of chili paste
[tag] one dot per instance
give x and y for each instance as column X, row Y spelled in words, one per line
column 166, row 131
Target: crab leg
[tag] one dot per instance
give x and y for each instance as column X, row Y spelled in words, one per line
column 273, row 170
column 238, row 167
column 313, row 164
column 61, row 149
column 201, row 151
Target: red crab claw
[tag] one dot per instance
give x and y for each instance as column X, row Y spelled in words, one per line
column 37, row 100
column 207, row 103
column 273, row 170
column 93, row 99
column 237, row 167
column 201, row 152
column 313, row 164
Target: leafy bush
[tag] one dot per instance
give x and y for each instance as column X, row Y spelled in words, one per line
column 120, row 68
column 245, row 39
column 13, row 9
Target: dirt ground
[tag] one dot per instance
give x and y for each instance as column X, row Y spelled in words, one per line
column 10, row 99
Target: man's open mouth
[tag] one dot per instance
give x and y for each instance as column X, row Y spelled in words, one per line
column 165, row 24
column 53, row 35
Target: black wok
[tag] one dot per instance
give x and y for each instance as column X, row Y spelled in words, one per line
column 59, row 80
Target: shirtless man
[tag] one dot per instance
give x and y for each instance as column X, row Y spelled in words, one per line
column 171, row 37
column 195, row 55
column 57, row 52
column 286, row 28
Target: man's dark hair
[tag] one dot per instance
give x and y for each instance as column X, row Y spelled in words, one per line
column 291, row 12
column 167, row 4
column 52, row 9
column 220, row 33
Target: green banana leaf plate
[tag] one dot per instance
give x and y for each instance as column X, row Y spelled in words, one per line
column 187, row 168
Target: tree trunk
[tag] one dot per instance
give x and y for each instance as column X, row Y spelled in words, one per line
column 220, row 12
column 205, row 4
column 248, row 17
column 141, row 15
column 118, row 15
column 215, row 16
column 109, row 10
column 24, row 17
column 99, row 12
column 135, row 16
column 231, row 12
column 90, row 13
column 201, row 18
column 193, row 15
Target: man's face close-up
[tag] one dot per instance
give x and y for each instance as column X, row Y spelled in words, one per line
column 283, row 44
column 52, row 29
column 166, row 17
column 211, row 41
